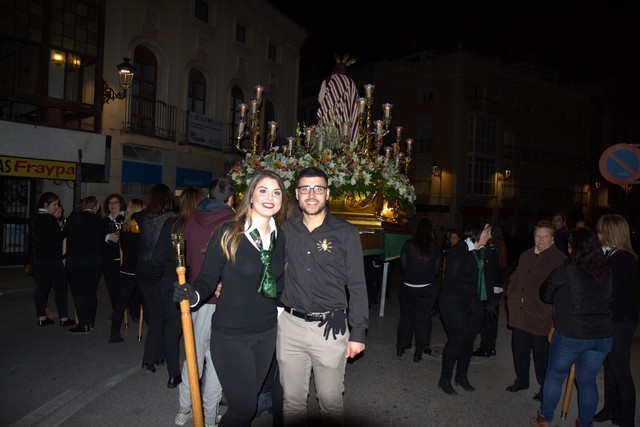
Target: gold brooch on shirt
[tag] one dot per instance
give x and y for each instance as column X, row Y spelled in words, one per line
column 324, row 246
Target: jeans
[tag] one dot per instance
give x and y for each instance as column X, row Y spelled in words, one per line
column 588, row 355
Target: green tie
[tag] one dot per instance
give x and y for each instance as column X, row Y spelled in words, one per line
column 267, row 284
column 482, row 290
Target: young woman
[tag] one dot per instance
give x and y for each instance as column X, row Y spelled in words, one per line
column 83, row 231
column 129, row 241
column 247, row 256
column 48, row 269
column 114, row 206
column 464, row 289
column 420, row 260
column 580, row 291
column 159, row 208
column 619, row 390
column 163, row 265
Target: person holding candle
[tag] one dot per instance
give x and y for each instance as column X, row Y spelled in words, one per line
column 246, row 254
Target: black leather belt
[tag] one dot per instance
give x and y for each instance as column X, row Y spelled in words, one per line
column 307, row 317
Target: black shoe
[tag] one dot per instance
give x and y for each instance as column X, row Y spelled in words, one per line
column 159, row 362
column 482, row 353
column 113, row 339
column 174, row 381
column 149, row 367
column 606, row 415
column 515, row 387
column 408, row 346
column 537, row 396
column 399, row 351
column 45, row 322
column 427, row 350
column 417, row 358
column 80, row 329
column 91, row 326
column 67, row 322
column 492, row 352
column 447, row 388
column 464, row 383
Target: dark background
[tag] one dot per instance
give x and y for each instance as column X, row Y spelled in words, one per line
column 581, row 39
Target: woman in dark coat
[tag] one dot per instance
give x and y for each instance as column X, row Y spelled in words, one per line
column 619, row 389
column 48, row 269
column 463, row 291
column 83, row 231
column 420, row 260
column 159, row 208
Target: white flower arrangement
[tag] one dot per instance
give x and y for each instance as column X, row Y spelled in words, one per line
column 349, row 172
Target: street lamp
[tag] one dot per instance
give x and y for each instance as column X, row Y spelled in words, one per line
column 435, row 170
column 505, row 175
column 125, row 77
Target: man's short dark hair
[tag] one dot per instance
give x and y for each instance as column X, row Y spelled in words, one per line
column 221, row 189
column 312, row 172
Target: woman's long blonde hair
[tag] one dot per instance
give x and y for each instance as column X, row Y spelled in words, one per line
column 233, row 235
column 613, row 231
column 134, row 206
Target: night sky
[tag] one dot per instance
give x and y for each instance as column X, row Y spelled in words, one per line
column 586, row 38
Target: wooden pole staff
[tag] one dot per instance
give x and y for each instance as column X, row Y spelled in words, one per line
column 140, row 323
column 187, row 331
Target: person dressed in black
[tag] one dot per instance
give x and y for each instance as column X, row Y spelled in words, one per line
column 150, row 221
column 114, row 205
column 247, row 256
column 619, row 389
column 48, row 269
column 489, row 328
column 420, row 261
column 83, row 231
column 464, row 289
column 129, row 242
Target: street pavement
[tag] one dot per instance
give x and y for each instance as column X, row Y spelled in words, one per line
column 49, row 377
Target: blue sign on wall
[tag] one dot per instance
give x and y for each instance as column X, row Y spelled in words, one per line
column 186, row 178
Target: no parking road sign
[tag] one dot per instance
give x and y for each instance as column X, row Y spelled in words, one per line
column 620, row 164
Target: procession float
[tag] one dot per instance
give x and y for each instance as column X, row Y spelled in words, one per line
column 366, row 160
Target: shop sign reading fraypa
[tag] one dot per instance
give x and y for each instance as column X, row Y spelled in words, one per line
column 36, row 168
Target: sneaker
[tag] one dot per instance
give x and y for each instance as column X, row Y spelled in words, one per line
column 182, row 418
column 218, row 418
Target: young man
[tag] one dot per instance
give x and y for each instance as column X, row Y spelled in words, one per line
column 324, row 263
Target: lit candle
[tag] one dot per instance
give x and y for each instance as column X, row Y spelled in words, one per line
column 243, row 110
column 379, row 124
column 368, row 91
column 398, row 133
column 386, row 111
column 409, row 146
column 361, row 104
column 254, row 106
column 307, row 135
column 259, row 89
column 396, row 148
column 320, row 145
column 387, row 153
column 272, row 128
column 241, row 125
column 345, row 129
column 290, row 147
column 399, row 159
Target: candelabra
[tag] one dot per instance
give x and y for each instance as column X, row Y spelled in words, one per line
column 372, row 132
column 252, row 132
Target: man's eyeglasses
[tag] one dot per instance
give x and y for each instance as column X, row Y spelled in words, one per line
column 317, row 189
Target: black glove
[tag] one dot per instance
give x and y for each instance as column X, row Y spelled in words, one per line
column 336, row 322
column 185, row 291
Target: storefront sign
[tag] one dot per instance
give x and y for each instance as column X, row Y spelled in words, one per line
column 205, row 131
column 36, row 168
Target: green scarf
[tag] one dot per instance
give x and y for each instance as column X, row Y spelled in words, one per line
column 482, row 290
column 267, row 283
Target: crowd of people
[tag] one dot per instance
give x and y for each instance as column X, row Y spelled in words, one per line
column 278, row 293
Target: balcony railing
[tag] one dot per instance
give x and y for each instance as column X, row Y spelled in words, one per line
column 150, row 117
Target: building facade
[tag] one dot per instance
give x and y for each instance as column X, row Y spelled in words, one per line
column 67, row 126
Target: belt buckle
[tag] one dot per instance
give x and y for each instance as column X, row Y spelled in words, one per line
column 312, row 317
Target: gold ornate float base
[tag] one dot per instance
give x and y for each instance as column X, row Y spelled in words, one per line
column 367, row 211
